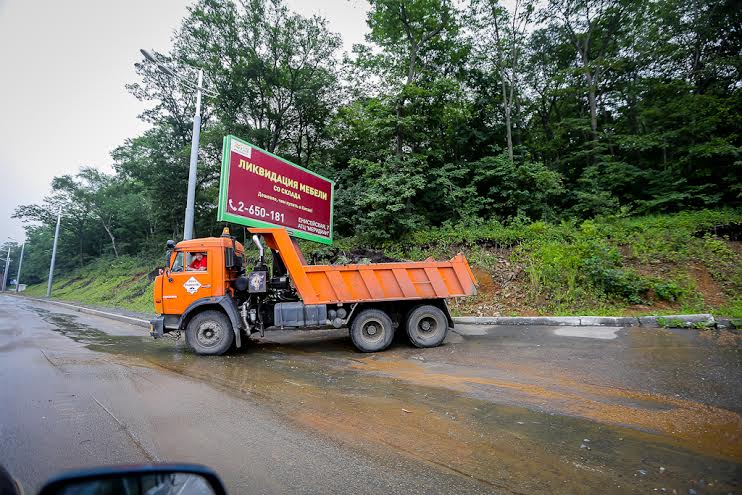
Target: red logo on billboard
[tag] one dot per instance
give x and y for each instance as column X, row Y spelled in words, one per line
column 259, row 189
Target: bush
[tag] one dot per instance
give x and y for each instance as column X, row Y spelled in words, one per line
column 668, row 291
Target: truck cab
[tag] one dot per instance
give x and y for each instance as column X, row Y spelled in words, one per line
column 207, row 291
column 186, row 288
column 185, row 282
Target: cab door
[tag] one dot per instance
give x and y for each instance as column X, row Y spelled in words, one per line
column 183, row 285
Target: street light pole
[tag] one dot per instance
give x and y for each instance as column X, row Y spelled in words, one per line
column 192, row 170
column 195, row 140
column 5, row 272
column 20, row 264
column 54, row 254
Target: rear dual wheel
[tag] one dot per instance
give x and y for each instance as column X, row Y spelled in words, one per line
column 372, row 330
column 427, row 326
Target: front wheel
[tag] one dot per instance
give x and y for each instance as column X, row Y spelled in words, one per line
column 427, row 326
column 210, row 333
column 372, row 330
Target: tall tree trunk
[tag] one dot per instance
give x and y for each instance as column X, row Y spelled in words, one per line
column 506, row 107
column 590, row 78
column 400, row 103
column 518, row 132
column 113, row 239
column 80, row 257
column 399, row 127
column 415, row 45
column 592, row 103
column 505, row 103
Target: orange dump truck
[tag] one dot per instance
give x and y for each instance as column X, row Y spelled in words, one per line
column 206, row 291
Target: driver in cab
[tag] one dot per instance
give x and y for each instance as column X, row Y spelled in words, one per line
column 199, row 262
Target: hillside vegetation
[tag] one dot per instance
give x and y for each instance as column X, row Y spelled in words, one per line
column 499, row 128
column 663, row 264
column 122, row 282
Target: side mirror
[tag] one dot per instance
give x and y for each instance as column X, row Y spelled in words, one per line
column 229, row 257
column 161, row 479
column 166, row 270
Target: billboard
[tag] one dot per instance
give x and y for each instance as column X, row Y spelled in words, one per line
column 259, row 189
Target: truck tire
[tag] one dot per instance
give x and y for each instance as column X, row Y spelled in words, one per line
column 372, row 330
column 427, row 326
column 210, row 333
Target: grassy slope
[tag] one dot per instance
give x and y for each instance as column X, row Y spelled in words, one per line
column 121, row 282
column 643, row 265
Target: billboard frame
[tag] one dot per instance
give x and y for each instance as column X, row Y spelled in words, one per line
column 224, row 216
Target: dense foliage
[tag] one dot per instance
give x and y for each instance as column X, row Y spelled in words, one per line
column 660, row 264
column 458, row 114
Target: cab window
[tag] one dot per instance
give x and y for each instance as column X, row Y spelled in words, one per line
column 196, row 261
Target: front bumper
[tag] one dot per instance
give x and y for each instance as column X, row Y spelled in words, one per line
column 157, row 327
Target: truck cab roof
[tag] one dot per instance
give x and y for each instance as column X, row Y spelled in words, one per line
column 208, row 242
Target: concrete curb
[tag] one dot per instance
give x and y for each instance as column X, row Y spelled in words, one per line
column 554, row 321
column 591, row 321
column 111, row 316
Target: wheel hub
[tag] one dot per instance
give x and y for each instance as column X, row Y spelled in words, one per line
column 427, row 325
column 209, row 334
column 373, row 330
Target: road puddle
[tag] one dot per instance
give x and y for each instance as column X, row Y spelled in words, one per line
column 515, row 435
column 709, row 430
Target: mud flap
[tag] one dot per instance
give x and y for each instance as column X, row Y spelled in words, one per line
column 231, row 309
column 157, row 327
column 444, row 307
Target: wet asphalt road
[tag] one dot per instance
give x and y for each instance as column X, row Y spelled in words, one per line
column 494, row 410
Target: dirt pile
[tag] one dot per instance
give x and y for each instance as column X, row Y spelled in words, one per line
column 359, row 256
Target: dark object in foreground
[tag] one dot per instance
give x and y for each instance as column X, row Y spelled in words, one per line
column 160, row 479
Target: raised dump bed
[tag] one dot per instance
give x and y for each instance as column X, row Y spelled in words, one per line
column 332, row 284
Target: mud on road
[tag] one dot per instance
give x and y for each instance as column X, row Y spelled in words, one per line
column 519, row 410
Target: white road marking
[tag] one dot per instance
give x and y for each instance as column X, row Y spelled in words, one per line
column 602, row 333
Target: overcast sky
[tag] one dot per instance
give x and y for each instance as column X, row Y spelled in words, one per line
column 63, row 67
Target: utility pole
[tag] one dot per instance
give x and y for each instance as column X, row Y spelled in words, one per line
column 192, row 172
column 5, row 272
column 20, row 264
column 195, row 138
column 54, row 254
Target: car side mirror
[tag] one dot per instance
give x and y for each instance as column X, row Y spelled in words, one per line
column 143, row 479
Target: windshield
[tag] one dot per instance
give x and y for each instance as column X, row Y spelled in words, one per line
column 177, row 265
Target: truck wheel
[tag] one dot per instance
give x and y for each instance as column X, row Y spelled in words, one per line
column 427, row 326
column 210, row 332
column 372, row 330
